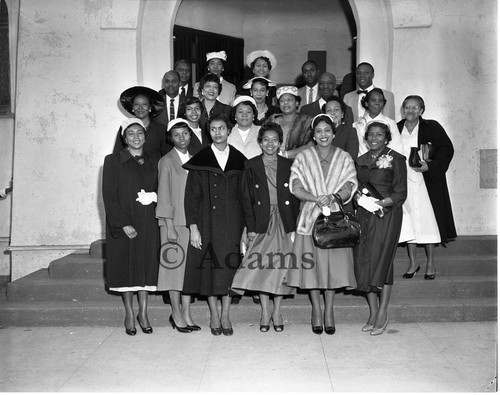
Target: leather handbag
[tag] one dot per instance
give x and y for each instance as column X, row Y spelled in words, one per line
column 340, row 229
column 414, row 158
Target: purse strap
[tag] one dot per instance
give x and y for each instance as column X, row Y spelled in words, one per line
column 338, row 200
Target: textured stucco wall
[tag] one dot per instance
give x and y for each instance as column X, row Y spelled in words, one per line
column 6, row 150
column 453, row 66
column 70, row 75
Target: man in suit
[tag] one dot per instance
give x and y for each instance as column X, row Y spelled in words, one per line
column 174, row 103
column 364, row 79
column 326, row 88
column 183, row 68
column 310, row 91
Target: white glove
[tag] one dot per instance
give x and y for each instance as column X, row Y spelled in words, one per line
column 146, row 198
column 368, row 203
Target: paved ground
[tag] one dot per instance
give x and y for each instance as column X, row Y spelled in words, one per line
column 428, row 357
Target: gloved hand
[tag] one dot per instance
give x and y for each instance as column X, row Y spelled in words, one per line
column 146, row 198
column 368, row 203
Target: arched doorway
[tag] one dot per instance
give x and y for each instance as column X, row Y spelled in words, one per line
column 373, row 22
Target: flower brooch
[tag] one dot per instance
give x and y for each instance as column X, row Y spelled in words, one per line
column 384, row 162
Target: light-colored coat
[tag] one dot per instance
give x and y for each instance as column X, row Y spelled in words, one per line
column 307, row 169
column 250, row 147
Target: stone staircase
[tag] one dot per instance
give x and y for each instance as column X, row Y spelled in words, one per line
column 71, row 292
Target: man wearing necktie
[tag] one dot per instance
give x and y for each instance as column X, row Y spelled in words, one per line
column 174, row 103
column 183, row 67
column 310, row 91
column 364, row 79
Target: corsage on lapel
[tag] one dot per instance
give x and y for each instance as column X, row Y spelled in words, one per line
column 384, row 161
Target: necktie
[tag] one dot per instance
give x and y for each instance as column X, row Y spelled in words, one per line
column 360, row 91
column 183, row 92
column 172, row 109
column 310, row 100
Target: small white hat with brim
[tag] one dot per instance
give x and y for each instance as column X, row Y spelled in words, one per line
column 262, row 53
column 249, row 83
column 217, row 55
column 130, row 121
column 243, row 98
column 178, row 121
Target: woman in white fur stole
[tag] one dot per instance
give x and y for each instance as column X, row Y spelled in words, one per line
column 317, row 174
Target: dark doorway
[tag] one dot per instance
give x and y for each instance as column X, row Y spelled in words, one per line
column 193, row 44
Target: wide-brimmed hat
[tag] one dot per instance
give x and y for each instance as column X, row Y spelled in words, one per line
column 287, row 89
column 249, row 83
column 262, row 53
column 156, row 100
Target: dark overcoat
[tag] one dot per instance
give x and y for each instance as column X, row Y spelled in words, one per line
column 255, row 196
column 218, row 108
column 130, row 262
column 212, row 202
column 440, row 155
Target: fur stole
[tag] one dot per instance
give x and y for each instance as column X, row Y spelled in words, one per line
column 307, row 169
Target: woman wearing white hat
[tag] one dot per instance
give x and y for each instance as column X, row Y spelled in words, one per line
column 259, row 88
column 296, row 127
column 244, row 134
column 261, row 62
column 215, row 64
column 132, row 237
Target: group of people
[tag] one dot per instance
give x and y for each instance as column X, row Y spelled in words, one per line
column 213, row 193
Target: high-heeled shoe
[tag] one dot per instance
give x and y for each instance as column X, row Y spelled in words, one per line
column 379, row 331
column 318, row 330
column 182, row 329
column 367, row 328
column 265, row 328
column 227, row 331
column 330, row 330
column 411, row 275
column 148, row 329
column 430, row 276
column 194, row 327
column 278, row 328
column 216, row 331
column 130, row 332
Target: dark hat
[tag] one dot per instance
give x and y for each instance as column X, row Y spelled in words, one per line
column 156, row 100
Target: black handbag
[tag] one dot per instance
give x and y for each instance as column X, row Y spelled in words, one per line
column 340, row 229
column 414, row 158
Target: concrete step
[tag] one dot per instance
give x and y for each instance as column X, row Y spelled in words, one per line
column 475, row 245
column 111, row 313
column 85, row 266
column 39, row 286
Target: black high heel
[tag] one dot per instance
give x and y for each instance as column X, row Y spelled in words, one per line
column 182, row 329
column 430, row 276
column 318, row 330
column 130, row 332
column 411, row 275
column 194, row 327
column 330, row 330
column 148, row 330
column 278, row 328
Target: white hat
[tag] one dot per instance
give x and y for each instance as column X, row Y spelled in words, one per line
column 262, row 53
column 287, row 89
column 243, row 98
column 217, row 55
column 178, row 121
column 130, row 121
column 249, row 83
column 322, row 115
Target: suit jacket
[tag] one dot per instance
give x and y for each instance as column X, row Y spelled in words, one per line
column 346, row 138
column 255, row 196
column 163, row 117
column 216, row 109
column 351, row 99
column 195, row 145
column 313, row 109
column 304, row 93
column 189, row 91
column 432, row 133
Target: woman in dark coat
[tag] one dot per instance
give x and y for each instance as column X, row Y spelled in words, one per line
column 145, row 103
column 271, row 213
column 132, row 235
column 428, row 216
column 210, row 88
column 215, row 219
column 385, row 170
